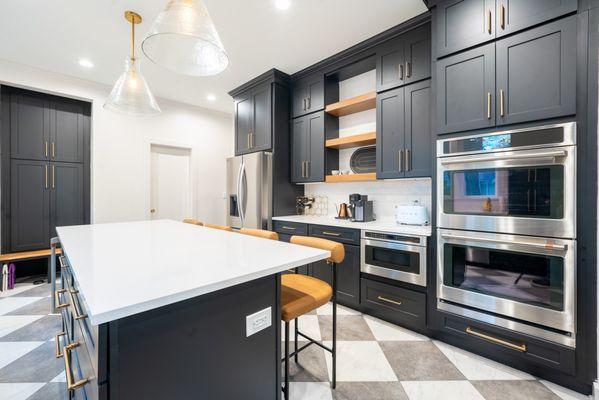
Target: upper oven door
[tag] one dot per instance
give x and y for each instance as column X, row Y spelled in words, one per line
column 528, row 192
column 521, row 277
column 402, row 262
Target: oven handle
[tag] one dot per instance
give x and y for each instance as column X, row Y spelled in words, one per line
column 547, row 246
column 500, row 157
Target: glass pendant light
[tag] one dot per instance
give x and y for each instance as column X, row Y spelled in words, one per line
column 184, row 40
column 131, row 93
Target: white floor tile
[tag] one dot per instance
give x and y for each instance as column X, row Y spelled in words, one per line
column 362, row 361
column 383, row 330
column 308, row 324
column 18, row 391
column 475, row 367
column 446, row 390
column 10, row 323
column 19, row 288
column 310, row 391
column 10, row 351
column 60, row 378
column 327, row 309
column 13, row 303
column 564, row 393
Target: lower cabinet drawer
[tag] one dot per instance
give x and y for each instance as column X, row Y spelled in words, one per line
column 338, row 234
column 402, row 306
column 290, row 228
column 505, row 345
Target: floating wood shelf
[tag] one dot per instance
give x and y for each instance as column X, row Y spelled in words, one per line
column 371, row 176
column 363, row 139
column 356, row 104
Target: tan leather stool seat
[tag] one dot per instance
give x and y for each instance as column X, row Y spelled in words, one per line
column 260, row 233
column 221, row 227
column 192, row 221
column 337, row 250
column 301, row 294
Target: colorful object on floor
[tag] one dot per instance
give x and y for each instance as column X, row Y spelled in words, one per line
column 11, row 276
column 4, row 277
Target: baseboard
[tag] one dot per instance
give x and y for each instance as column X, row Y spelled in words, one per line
column 595, row 390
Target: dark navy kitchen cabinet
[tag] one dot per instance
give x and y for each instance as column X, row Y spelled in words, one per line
column 536, row 73
column 418, row 129
column 390, row 132
column 29, row 126
column 308, row 95
column 253, row 128
column 515, row 15
column 466, row 90
column 67, row 125
column 66, row 184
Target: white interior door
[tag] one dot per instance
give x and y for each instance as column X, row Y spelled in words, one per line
column 170, row 183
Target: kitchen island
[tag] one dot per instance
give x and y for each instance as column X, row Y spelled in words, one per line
column 162, row 309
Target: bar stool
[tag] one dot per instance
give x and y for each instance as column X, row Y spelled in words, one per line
column 260, row 233
column 301, row 294
column 221, row 227
column 192, row 221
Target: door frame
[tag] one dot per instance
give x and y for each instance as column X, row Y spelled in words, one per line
column 147, row 171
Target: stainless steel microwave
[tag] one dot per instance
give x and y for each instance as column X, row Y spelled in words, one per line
column 519, row 181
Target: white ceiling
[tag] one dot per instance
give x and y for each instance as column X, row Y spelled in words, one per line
column 55, row 34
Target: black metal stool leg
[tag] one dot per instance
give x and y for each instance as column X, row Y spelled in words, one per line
column 286, row 361
column 296, row 337
column 334, row 347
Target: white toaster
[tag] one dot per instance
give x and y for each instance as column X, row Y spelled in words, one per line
column 412, row 215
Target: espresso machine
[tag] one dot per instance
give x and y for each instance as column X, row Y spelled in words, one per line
column 361, row 209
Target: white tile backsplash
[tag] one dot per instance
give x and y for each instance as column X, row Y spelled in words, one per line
column 386, row 194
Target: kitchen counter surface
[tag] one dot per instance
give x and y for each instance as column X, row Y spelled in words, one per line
column 384, row 225
column 127, row 268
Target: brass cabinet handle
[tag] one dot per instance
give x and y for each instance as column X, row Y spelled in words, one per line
column 57, row 294
column 46, row 150
column 502, row 17
column 401, row 72
column 330, row 233
column 501, row 108
column 53, row 176
column 382, row 298
column 519, row 347
column 71, row 383
column 53, row 150
column 78, row 315
column 307, row 169
column 408, row 69
column 303, row 170
column 489, row 28
column 288, row 227
column 488, row 105
column 46, row 178
column 57, row 338
column 400, row 160
column 408, row 160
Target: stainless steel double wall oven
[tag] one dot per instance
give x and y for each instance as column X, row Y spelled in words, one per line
column 507, row 229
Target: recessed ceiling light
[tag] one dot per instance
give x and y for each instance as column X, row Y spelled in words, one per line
column 84, row 62
column 282, row 4
column 211, row 97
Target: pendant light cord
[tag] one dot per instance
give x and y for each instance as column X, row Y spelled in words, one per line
column 133, row 39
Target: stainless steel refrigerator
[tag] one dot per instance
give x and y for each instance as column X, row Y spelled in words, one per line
column 249, row 191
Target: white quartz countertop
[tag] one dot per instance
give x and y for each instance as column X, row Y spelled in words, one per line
column 124, row 269
column 389, row 226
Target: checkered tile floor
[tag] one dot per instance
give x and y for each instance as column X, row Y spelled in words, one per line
column 376, row 360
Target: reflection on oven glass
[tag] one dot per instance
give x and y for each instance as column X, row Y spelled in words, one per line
column 496, row 142
column 527, row 278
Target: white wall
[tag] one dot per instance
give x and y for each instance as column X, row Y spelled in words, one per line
column 120, row 146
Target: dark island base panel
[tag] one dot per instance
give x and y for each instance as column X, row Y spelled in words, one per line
column 152, row 355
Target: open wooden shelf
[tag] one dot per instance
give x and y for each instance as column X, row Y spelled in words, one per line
column 356, row 104
column 371, row 176
column 363, row 139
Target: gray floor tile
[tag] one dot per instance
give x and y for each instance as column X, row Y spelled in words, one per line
column 312, row 365
column 369, row 391
column 42, row 290
column 41, row 330
column 51, row 391
column 40, row 307
column 39, row 365
column 419, row 361
column 514, row 390
column 349, row 328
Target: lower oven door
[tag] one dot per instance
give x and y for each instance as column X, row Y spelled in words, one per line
column 398, row 261
column 530, row 279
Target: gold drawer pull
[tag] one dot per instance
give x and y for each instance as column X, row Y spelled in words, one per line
column 488, row 105
column 57, row 298
column 78, row 316
column 71, row 384
column 521, row 347
column 381, row 298
column 58, row 352
column 288, row 227
column 331, row 233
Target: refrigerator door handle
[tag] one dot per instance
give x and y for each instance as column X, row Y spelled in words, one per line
column 242, row 194
column 239, row 195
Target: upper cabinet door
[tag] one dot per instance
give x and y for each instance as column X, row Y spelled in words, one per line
column 261, row 135
column 299, row 150
column 464, row 23
column 417, row 45
column 466, row 90
column 390, row 134
column 30, row 127
column 390, row 65
column 298, row 99
column 418, row 157
column 308, row 95
column 67, row 124
column 316, row 161
column 29, row 205
column 536, row 73
column 66, row 201
column 515, row 15
column 243, row 123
